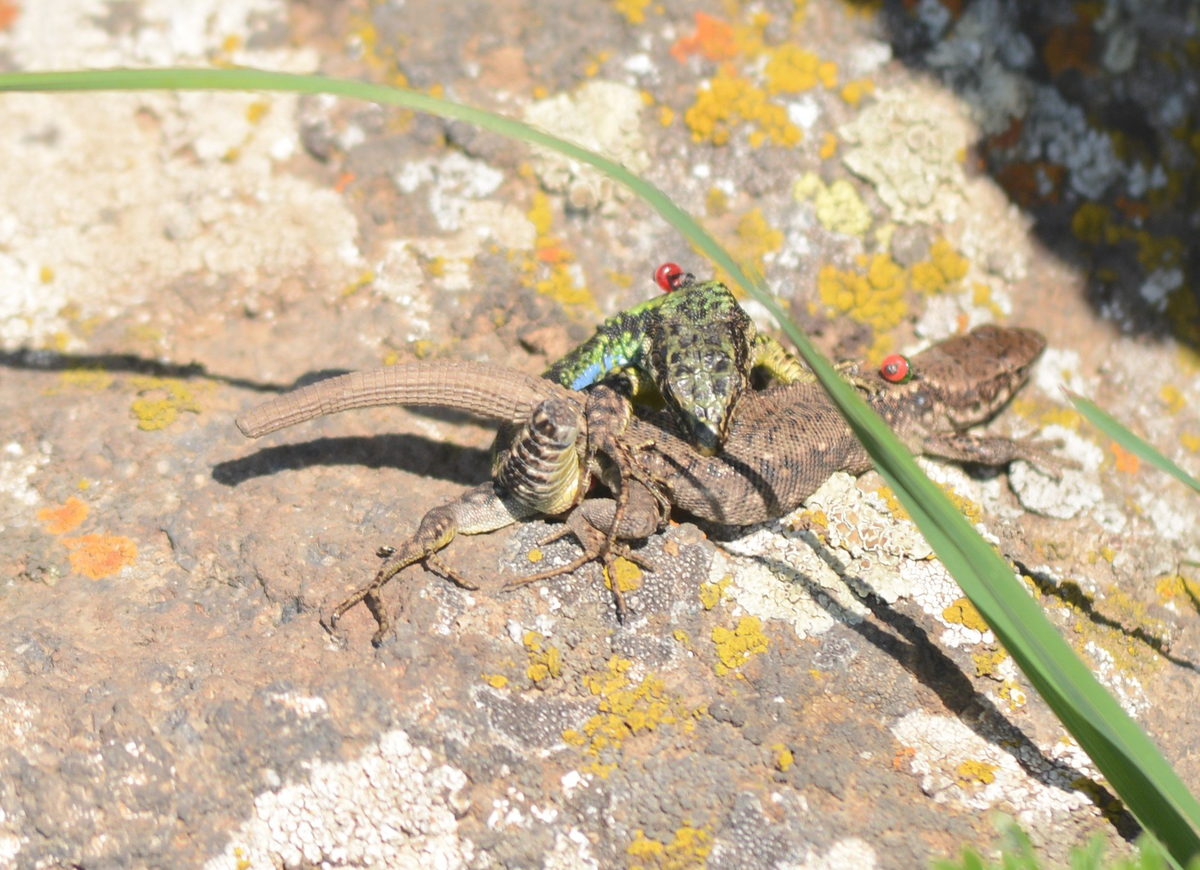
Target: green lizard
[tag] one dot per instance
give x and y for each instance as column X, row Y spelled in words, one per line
column 697, row 347
column 782, row 445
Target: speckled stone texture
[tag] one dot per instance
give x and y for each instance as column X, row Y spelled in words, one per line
column 811, row 693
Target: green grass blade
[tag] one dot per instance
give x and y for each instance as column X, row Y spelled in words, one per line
column 1120, row 749
column 1137, row 446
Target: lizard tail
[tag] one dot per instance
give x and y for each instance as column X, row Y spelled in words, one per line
column 485, row 390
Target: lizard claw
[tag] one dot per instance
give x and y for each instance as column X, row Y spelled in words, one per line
column 1036, row 451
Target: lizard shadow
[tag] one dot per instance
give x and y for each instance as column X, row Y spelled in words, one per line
column 412, row 453
column 899, row 636
column 54, row 361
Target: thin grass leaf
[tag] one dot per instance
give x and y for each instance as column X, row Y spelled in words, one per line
column 1118, row 746
column 1137, row 446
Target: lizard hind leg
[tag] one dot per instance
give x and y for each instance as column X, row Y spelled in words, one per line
column 483, row 508
column 438, row 528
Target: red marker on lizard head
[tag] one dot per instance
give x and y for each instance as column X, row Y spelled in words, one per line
column 670, row 277
column 895, row 369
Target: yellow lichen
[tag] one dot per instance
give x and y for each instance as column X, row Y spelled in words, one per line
column 1173, row 398
column 496, row 681
column 988, row 661
column 783, row 757
column 628, row 575
column 1176, row 587
column 829, row 145
column 626, row 709
column 736, row 646
column 63, row 518
column 712, row 593
column 82, row 379
column 97, row 556
column 689, row 848
column 942, row 271
column 854, row 92
column 716, row 202
column 963, row 612
column 983, row 772
column 792, row 70
column 876, row 299
column 46, row 274
column 730, row 101
column 1191, row 441
column 161, row 400
column 634, row 11
column 839, row 207
column 545, row 661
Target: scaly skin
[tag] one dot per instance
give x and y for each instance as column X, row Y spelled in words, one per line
column 784, row 443
column 698, row 348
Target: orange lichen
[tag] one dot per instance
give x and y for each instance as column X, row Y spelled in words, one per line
column 713, row 39
column 97, row 556
column 828, row 146
column 8, row 13
column 63, row 518
column 1126, row 461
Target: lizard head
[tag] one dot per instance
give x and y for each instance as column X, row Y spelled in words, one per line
column 970, row 377
column 699, row 341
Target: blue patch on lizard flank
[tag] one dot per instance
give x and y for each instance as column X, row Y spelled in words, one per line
column 595, row 370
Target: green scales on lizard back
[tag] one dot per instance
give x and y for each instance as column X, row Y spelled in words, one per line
column 697, row 347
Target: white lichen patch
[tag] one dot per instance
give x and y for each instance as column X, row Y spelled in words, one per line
column 778, row 578
column 1125, row 688
column 1078, row 491
column 16, row 722
column 908, row 144
column 110, row 198
column 850, row 852
column 1055, row 369
column 453, row 181
column 812, row 567
column 480, row 223
column 957, row 766
column 390, row 807
column 601, row 116
column 17, row 494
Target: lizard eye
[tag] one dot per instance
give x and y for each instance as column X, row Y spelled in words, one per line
column 895, row 369
column 670, row 276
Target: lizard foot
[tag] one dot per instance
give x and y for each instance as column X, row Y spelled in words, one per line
column 438, row 528
column 595, row 546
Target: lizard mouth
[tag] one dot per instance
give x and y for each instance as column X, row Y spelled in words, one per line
column 706, row 438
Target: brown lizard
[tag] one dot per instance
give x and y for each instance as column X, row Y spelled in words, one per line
column 782, row 445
